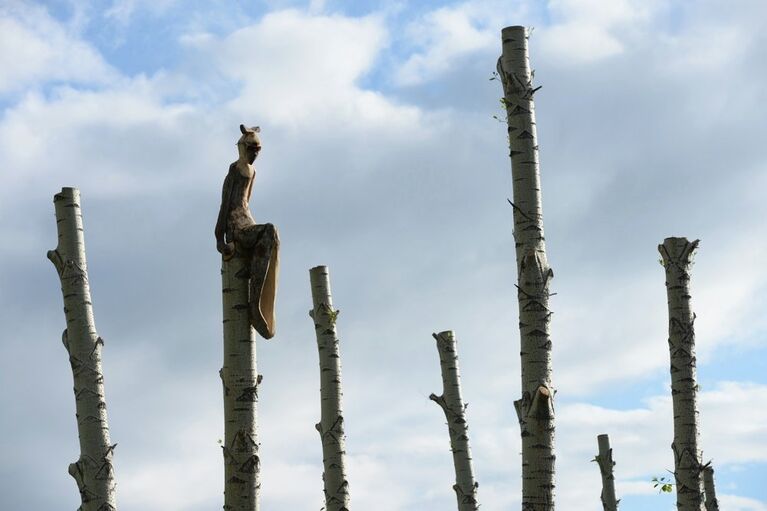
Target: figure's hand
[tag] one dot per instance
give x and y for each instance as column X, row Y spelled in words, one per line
column 226, row 250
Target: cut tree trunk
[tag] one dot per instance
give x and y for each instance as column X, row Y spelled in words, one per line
column 242, row 466
column 535, row 409
column 712, row 504
column 331, row 425
column 605, row 461
column 677, row 254
column 93, row 471
column 455, row 412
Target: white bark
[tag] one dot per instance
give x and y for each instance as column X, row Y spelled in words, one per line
column 605, row 461
column 712, row 504
column 331, row 425
column 535, row 410
column 93, row 471
column 240, row 378
column 677, row 256
column 455, row 412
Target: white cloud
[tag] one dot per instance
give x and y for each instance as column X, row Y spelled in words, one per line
column 736, row 503
column 580, row 42
column 732, row 429
column 640, row 438
column 35, row 49
column 300, row 70
column 705, row 49
column 628, row 326
column 446, row 34
column 442, row 39
column 605, row 14
column 590, row 30
column 721, row 32
column 736, row 272
column 296, row 71
column 316, row 6
column 92, row 136
column 578, row 31
column 291, row 484
column 175, row 484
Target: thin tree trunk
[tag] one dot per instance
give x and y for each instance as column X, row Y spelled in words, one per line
column 93, row 471
column 331, row 425
column 605, row 461
column 535, row 409
column 240, row 378
column 677, row 254
column 455, row 412
column 712, row 504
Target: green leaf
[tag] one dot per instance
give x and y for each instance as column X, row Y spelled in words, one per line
column 663, row 484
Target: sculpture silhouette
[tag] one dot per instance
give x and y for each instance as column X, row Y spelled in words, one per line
column 238, row 234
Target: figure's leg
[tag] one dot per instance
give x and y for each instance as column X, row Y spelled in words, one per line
column 264, row 270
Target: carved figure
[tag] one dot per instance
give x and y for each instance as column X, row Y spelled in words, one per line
column 238, row 234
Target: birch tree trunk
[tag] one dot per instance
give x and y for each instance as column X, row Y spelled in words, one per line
column 455, row 412
column 331, row 425
column 93, row 471
column 712, row 504
column 535, row 409
column 605, row 461
column 240, row 378
column 677, row 256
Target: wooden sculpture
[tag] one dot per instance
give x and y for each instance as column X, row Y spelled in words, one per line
column 238, row 234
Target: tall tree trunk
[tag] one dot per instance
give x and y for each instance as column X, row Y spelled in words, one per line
column 712, row 504
column 331, row 425
column 240, row 378
column 93, row 471
column 535, row 409
column 677, row 254
column 455, row 412
column 605, row 461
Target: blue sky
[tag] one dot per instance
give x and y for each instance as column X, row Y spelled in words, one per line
column 382, row 160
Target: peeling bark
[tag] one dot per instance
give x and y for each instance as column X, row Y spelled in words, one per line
column 455, row 412
column 331, row 425
column 605, row 461
column 712, row 504
column 535, row 409
column 677, row 254
column 93, row 471
column 240, row 378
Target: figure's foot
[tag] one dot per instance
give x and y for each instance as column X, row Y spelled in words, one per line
column 258, row 323
column 259, row 267
column 264, row 267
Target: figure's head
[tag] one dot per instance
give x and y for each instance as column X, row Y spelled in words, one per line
column 249, row 145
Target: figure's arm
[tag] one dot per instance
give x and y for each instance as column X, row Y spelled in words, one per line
column 226, row 249
column 250, row 186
